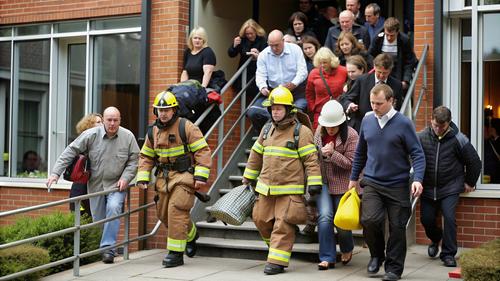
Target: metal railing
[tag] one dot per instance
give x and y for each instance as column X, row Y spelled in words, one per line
column 77, row 228
column 407, row 103
column 242, row 72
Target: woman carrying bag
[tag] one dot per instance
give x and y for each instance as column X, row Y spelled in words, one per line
column 337, row 142
column 325, row 82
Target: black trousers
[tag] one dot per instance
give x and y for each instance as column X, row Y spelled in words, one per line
column 428, row 215
column 377, row 202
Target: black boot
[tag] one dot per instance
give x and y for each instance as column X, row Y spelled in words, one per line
column 191, row 246
column 173, row 259
column 272, row 269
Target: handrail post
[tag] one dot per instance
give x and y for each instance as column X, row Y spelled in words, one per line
column 127, row 227
column 76, row 239
column 243, row 102
column 220, row 137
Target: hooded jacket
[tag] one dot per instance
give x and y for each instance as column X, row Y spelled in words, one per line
column 450, row 161
column 278, row 166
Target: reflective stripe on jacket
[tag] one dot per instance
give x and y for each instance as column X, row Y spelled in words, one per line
column 279, row 167
column 167, row 149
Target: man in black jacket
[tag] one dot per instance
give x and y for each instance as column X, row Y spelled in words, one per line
column 452, row 167
column 347, row 24
column 396, row 44
column 357, row 101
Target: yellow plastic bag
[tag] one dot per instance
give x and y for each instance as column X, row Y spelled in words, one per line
column 347, row 215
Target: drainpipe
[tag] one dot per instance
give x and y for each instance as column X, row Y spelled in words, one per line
column 144, row 99
column 437, row 87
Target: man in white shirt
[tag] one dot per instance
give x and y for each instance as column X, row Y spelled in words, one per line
column 278, row 64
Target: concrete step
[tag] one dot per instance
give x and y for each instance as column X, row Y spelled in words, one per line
column 250, row 249
column 235, row 180
column 246, row 231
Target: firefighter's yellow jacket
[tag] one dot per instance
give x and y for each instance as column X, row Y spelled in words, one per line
column 167, row 147
column 278, row 166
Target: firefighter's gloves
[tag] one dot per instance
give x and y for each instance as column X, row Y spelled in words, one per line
column 142, row 184
column 314, row 192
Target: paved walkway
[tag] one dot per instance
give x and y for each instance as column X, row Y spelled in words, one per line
column 146, row 266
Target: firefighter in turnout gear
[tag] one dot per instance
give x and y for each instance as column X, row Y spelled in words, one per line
column 282, row 161
column 178, row 150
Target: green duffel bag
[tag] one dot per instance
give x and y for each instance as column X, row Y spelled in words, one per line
column 234, row 207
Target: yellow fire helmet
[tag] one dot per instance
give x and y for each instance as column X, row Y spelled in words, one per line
column 165, row 99
column 279, row 95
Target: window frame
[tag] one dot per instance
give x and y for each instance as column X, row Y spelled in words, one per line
column 452, row 34
column 54, row 148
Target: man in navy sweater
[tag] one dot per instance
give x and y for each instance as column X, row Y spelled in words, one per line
column 387, row 141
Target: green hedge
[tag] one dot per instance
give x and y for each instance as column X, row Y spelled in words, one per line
column 23, row 257
column 59, row 247
column 483, row 263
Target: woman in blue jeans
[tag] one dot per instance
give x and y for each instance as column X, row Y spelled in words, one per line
column 338, row 144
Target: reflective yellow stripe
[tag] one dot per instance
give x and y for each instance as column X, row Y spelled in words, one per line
column 308, row 149
column 176, row 245
column 251, row 174
column 257, row 147
column 267, row 240
column 197, row 145
column 201, row 172
column 148, row 151
column 279, row 255
column 143, row 176
column 280, row 151
column 170, row 152
column 264, row 189
column 314, row 180
column 191, row 233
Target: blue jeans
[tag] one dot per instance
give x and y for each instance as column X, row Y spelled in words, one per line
column 327, row 207
column 105, row 207
column 258, row 114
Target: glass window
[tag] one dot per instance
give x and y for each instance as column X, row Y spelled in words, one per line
column 465, row 74
column 116, row 23
column 5, row 32
column 76, row 88
column 31, row 93
column 491, row 2
column 5, row 64
column 468, row 3
column 116, row 76
column 33, row 29
column 491, row 97
column 71, row 26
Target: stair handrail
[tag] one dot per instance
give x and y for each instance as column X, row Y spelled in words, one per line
column 422, row 64
column 76, row 229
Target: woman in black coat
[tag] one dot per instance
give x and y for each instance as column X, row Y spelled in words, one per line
column 251, row 40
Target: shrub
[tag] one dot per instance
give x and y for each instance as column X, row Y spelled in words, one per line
column 483, row 263
column 59, row 247
column 22, row 257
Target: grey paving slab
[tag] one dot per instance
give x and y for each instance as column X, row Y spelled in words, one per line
column 146, row 266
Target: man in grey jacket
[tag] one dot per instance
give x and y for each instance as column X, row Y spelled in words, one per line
column 113, row 154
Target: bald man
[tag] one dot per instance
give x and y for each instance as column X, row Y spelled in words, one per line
column 347, row 24
column 279, row 64
column 113, row 153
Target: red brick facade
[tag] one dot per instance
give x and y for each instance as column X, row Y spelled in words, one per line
column 478, row 219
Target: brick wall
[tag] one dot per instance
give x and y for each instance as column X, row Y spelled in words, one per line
column 424, row 34
column 30, row 11
column 478, row 221
column 12, row 198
